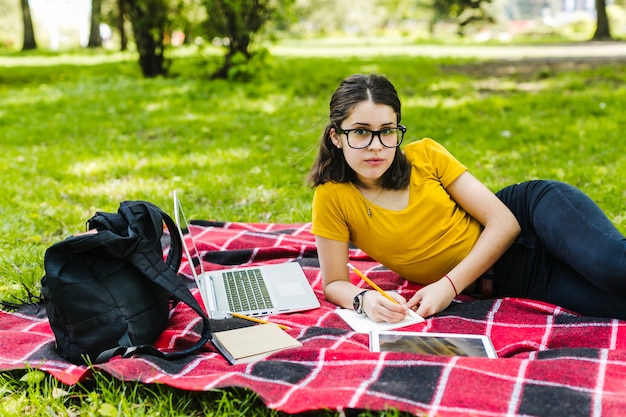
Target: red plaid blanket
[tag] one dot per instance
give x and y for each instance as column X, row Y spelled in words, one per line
column 551, row 362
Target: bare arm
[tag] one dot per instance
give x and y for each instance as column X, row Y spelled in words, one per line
column 333, row 257
column 500, row 231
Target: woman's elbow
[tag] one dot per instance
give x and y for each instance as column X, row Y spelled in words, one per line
column 326, row 290
column 330, row 290
column 513, row 229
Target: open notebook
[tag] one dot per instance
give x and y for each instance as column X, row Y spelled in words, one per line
column 253, row 291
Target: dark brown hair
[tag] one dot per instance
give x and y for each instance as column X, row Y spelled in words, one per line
column 330, row 164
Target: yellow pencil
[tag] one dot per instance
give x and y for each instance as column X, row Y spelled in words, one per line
column 377, row 288
column 371, row 283
column 254, row 319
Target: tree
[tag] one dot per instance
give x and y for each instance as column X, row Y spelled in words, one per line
column 463, row 12
column 95, row 40
column 119, row 23
column 236, row 21
column 150, row 22
column 603, row 31
column 29, row 32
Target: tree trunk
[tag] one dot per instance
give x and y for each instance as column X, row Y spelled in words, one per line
column 95, row 40
column 121, row 10
column 29, row 32
column 150, row 19
column 603, row 31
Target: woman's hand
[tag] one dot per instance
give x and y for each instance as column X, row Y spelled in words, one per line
column 379, row 308
column 433, row 298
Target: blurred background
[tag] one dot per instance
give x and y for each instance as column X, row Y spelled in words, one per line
column 64, row 24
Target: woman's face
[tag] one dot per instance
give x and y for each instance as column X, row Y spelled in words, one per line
column 369, row 163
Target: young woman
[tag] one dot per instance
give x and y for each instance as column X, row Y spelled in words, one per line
column 420, row 213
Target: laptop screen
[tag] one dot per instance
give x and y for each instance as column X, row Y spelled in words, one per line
column 189, row 245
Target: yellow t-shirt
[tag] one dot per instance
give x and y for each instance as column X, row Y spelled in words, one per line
column 421, row 243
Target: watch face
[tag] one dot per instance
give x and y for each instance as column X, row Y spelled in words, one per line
column 357, row 302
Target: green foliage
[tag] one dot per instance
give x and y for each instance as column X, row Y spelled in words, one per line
column 463, row 12
column 238, row 22
column 246, row 69
column 82, row 133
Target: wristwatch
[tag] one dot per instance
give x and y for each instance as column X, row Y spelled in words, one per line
column 357, row 303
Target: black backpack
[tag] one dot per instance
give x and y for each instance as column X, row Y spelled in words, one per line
column 107, row 291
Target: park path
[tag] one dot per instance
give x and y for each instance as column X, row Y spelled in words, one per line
column 582, row 50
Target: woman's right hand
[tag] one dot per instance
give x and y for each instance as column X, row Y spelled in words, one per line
column 433, row 298
column 379, row 308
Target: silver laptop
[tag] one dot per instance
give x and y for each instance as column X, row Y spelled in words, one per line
column 253, row 291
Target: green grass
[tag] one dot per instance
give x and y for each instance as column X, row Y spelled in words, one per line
column 79, row 133
column 36, row 394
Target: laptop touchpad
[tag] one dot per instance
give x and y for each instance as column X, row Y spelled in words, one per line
column 290, row 289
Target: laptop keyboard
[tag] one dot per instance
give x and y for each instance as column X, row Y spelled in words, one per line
column 246, row 290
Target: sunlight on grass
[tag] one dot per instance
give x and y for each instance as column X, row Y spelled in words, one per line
column 494, row 84
column 79, row 59
column 115, row 163
column 439, row 102
column 118, row 188
column 85, row 57
column 42, row 93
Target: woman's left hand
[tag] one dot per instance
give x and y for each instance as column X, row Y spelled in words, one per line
column 432, row 299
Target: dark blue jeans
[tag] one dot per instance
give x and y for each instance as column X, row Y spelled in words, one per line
column 568, row 253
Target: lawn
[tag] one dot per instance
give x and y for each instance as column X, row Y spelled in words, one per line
column 82, row 132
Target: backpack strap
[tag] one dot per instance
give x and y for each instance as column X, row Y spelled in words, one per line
column 162, row 274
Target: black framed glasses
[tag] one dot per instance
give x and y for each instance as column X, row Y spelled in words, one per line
column 390, row 137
